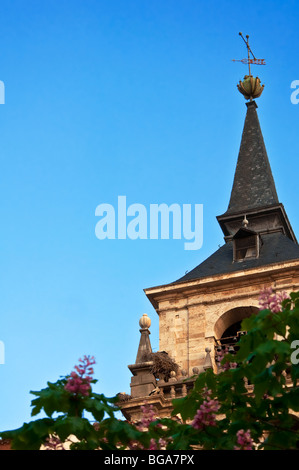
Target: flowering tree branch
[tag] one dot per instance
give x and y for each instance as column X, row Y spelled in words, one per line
column 221, row 412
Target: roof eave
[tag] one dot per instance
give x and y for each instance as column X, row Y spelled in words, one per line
column 153, row 293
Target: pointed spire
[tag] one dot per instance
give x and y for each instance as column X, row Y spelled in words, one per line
column 253, row 186
column 253, row 193
column 208, row 360
column 143, row 380
column 145, row 347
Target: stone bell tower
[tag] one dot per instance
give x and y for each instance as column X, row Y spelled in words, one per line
column 204, row 308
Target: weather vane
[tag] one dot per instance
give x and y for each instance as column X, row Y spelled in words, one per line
column 250, row 87
column 249, row 60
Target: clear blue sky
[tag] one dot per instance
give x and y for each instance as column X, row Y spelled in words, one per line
column 109, row 98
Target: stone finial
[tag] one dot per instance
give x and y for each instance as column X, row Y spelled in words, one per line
column 145, row 322
column 208, row 361
column 144, row 343
column 245, row 222
column 143, row 381
column 172, row 376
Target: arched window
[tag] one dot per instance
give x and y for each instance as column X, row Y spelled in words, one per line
column 230, row 318
column 228, row 330
column 231, row 334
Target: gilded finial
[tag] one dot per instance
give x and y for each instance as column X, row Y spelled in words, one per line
column 250, row 87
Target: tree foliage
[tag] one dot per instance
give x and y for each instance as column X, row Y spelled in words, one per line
column 253, row 405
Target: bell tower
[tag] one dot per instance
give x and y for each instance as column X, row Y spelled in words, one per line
column 203, row 310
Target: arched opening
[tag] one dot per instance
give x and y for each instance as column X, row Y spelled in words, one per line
column 228, row 330
column 231, row 320
column 231, row 333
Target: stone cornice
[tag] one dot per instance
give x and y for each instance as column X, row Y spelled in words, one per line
column 209, row 284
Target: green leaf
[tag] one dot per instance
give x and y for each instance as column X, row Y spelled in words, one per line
column 51, row 399
column 67, row 426
column 186, row 407
column 31, row 435
column 292, row 399
column 98, row 406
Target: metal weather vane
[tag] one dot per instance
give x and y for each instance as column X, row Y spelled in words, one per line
column 251, row 86
column 249, row 60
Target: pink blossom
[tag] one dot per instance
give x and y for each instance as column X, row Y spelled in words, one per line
column 227, row 365
column 53, row 443
column 148, row 416
column 153, row 445
column 79, row 382
column 269, row 300
column 157, row 445
column 244, row 440
column 206, row 414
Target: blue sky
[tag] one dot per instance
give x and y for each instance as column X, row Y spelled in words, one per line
column 110, row 98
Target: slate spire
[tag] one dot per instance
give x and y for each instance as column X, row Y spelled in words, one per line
column 253, row 192
column 253, row 185
column 253, row 206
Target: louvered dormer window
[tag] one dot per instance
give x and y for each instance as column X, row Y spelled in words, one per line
column 246, row 245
